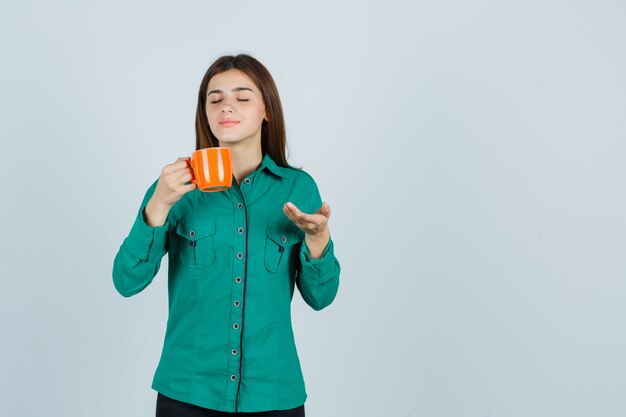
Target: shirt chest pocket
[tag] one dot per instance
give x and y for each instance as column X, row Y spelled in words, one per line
column 280, row 248
column 196, row 240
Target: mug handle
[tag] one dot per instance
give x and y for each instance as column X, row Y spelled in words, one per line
column 189, row 164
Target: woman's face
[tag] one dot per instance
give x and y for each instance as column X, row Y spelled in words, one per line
column 234, row 108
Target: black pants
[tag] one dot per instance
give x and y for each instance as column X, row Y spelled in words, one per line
column 169, row 407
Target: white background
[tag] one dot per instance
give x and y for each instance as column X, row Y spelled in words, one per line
column 472, row 154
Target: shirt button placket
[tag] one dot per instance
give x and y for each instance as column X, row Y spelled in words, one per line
column 238, row 300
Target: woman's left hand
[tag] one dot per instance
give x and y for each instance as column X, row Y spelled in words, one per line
column 315, row 226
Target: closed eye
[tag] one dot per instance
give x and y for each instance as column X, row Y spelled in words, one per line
column 239, row 99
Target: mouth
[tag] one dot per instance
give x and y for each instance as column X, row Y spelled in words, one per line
column 228, row 123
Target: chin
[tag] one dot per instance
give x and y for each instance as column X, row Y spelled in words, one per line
column 233, row 138
column 227, row 139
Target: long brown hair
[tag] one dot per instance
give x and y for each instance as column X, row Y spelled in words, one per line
column 273, row 138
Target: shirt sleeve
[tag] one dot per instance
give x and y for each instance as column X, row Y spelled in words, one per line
column 318, row 279
column 139, row 257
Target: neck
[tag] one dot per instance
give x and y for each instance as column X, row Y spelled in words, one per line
column 245, row 159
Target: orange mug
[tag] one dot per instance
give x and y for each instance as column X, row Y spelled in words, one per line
column 211, row 169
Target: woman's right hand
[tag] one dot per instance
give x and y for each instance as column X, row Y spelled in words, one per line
column 171, row 185
column 169, row 189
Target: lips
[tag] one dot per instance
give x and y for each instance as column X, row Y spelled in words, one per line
column 229, row 123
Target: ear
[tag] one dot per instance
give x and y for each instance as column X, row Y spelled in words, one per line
column 267, row 117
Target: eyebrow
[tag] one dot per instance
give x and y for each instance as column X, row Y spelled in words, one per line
column 234, row 90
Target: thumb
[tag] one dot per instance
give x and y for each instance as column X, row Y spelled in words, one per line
column 324, row 210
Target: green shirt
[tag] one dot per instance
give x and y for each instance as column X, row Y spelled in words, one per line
column 234, row 259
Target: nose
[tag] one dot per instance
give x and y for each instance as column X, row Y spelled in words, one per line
column 226, row 107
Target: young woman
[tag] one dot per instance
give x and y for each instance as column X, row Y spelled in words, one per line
column 235, row 257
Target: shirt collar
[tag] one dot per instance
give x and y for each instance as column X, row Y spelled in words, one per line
column 269, row 164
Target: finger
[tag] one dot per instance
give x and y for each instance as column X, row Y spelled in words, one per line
column 181, row 163
column 292, row 207
column 185, row 176
column 299, row 223
column 291, row 214
column 324, row 210
column 297, row 213
column 293, row 211
column 301, row 218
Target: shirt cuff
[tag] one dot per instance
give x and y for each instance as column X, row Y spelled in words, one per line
column 147, row 242
column 327, row 254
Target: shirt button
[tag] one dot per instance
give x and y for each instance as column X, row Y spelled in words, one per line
column 192, row 233
column 240, row 230
column 283, row 239
column 238, row 280
column 236, row 303
column 247, row 180
column 239, row 205
column 233, row 377
column 235, row 326
column 234, row 351
column 240, row 255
